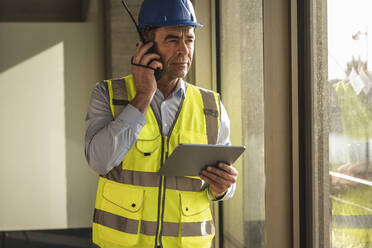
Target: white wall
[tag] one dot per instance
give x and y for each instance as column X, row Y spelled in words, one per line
column 47, row 72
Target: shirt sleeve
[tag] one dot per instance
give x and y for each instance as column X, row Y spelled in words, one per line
column 223, row 138
column 107, row 141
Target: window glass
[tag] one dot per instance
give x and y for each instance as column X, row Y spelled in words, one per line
column 242, row 94
column 350, row 122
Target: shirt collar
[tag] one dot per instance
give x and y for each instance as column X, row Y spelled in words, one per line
column 180, row 88
column 179, row 91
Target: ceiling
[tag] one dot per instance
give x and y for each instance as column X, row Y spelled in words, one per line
column 43, row 10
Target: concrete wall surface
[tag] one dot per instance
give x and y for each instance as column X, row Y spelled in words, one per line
column 47, row 72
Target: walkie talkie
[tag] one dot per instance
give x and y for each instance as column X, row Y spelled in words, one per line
column 157, row 71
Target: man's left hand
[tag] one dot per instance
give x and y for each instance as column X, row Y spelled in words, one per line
column 219, row 178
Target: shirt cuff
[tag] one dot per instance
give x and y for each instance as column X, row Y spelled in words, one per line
column 211, row 197
column 228, row 194
column 132, row 117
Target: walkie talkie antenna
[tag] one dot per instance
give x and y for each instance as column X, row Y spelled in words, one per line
column 134, row 21
column 157, row 71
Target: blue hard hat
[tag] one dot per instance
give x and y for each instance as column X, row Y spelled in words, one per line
column 159, row 13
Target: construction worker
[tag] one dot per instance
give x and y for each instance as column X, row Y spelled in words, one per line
column 134, row 123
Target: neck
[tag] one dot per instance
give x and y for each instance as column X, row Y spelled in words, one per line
column 167, row 86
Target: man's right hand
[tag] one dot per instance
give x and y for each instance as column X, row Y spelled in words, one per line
column 144, row 78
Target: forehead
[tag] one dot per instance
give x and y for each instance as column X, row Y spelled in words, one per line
column 175, row 30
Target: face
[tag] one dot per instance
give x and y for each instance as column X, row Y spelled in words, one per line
column 175, row 45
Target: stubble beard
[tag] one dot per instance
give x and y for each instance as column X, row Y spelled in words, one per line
column 177, row 73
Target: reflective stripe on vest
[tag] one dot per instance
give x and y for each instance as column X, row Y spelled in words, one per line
column 118, row 95
column 123, row 224
column 151, row 179
column 211, row 115
column 352, row 221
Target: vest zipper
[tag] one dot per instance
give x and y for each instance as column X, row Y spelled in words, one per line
column 166, row 156
column 160, row 195
column 161, row 186
column 161, row 199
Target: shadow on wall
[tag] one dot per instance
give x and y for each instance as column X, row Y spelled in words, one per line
column 80, row 66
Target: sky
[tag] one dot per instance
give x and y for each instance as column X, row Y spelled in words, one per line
column 345, row 19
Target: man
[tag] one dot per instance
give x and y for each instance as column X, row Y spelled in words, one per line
column 134, row 124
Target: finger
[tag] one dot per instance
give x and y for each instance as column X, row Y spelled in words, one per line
column 138, row 46
column 138, row 55
column 213, row 184
column 148, row 57
column 156, row 64
column 222, row 173
column 142, row 51
column 228, row 168
column 217, row 179
column 216, row 189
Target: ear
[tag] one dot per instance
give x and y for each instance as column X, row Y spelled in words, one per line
column 149, row 34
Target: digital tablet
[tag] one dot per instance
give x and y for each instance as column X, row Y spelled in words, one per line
column 191, row 159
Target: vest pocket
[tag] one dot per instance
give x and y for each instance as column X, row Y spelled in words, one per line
column 145, row 151
column 120, row 214
column 125, row 197
column 148, row 145
column 197, row 227
column 193, row 203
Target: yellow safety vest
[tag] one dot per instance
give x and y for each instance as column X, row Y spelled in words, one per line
column 135, row 207
column 352, row 209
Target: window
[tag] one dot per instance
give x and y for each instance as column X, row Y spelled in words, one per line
column 350, row 115
column 341, row 123
column 241, row 54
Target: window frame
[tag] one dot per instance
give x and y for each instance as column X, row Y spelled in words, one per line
column 313, row 124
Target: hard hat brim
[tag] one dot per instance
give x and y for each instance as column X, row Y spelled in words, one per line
column 175, row 23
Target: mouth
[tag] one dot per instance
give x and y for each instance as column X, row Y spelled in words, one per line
column 180, row 61
column 183, row 62
column 180, row 65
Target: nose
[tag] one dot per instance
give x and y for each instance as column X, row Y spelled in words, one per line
column 182, row 47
